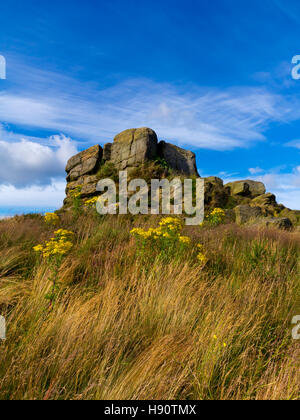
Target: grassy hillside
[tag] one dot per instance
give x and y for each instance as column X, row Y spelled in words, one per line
column 126, row 324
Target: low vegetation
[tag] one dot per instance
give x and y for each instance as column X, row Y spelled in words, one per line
column 145, row 308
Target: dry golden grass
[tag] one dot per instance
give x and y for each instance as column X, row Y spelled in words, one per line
column 122, row 329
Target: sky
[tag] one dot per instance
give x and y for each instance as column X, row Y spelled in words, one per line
column 214, row 77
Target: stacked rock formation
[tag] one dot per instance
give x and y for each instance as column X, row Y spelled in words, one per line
column 130, row 149
column 245, row 201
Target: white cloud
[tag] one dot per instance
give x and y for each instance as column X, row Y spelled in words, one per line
column 25, row 163
column 225, row 174
column 254, row 171
column 34, row 196
column 289, row 198
column 294, row 143
column 284, row 181
column 210, row 118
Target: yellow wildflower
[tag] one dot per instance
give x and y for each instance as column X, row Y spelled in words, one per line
column 219, row 212
column 91, row 202
column 185, row 240
column 166, row 235
column 76, row 192
column 202, row 258
column 38, row 248
column 63, row 232
column 216, row 217
column 51, row 218
column 59, row 245
column 137, row 231
column 171, row 224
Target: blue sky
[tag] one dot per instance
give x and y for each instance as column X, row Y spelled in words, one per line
column 211, row 76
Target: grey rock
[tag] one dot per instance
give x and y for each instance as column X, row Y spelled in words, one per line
column 215, row 193
column 73, row 161
column 88, row 184
column 180, row 160
column 265, row 200
column 84, row 163
column 133, row 147
column 279, row 223
column 107, row 151
column 245, row 213
column 246, row 188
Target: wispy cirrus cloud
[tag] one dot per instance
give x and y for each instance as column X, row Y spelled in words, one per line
column 294, row 143
column 199, row 117
column 289, row 9
column 209, row 118
column 254, row 171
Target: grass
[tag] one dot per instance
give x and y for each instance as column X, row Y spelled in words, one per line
column 122, row 328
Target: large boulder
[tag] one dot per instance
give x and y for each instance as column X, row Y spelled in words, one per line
column 107, row 152
column 293, row 215
column 88, row 184
column 135, row 146
column 215, row 193
column 132, row 147
column 84, row 163
column 180, row 160
column 137, row 150
column 268, row 204
column 245, row 214
column 130, row 150
column 265, row 200
column 278, row 223
column 246, row 188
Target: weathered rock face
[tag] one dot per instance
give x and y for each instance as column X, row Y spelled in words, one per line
column 181, row 160
column 293, row 215
column 132, row 148
column 244, row 201
column 268, row 204
column 245, row 214
column 215, row 193
column 246, row 188
column 88, row 184
column 278, row 223
column 265, row 200
column 85, row 163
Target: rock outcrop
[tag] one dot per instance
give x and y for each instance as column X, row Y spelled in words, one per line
column 215, row 193
column 130, row 149
column 278, row 222
column 246, row 188
column 245, row 201
column 86, row 162
column 245, row 214
column 180, row 160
